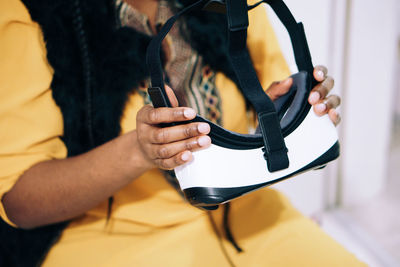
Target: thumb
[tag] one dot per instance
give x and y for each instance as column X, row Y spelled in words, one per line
column 171, row 95
column 278, row 89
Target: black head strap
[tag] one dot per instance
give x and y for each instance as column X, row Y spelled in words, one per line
column 275, row 151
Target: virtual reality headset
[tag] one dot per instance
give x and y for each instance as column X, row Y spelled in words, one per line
column 290, row 139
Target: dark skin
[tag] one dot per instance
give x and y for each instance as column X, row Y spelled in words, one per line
column 58, row 190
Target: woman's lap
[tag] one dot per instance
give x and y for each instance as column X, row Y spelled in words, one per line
column 264, row 224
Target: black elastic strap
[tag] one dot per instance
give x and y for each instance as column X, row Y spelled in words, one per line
column 295, row 30
column 227, row 229
column 297, row 35
column 158, row 98
column 237, row 15
column 219, row 236
column 153, row 57
column 275, row 151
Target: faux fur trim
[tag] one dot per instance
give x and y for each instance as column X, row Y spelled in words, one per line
column 25, row 248
column 117, row 57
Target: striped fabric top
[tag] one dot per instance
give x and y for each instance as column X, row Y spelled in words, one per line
column 192, row 81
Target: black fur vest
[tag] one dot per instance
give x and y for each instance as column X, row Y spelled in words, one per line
column 117, row 65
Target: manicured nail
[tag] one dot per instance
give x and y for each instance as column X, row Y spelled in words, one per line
column 203, row 140
column 189, row 113
column 314, row 97
column 339, row 119
column 321, row 74
column 185, row 156
column 203, row 128
column 320, row 107
column 336, row 116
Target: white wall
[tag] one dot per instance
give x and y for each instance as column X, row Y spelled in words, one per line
column 396, row 100
column 367, row 98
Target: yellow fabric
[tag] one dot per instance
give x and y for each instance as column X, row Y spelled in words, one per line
column 264, row 223
column 30, row 122
column 151, row 225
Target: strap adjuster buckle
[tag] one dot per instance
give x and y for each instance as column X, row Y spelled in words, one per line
column 158, row 97
column 275, row 150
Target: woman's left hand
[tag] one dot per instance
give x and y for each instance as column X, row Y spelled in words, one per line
column 322, row 102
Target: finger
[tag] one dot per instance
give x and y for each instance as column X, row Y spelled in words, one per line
column 167, row 151
column 278, row 89
column 321, row 90
column 177, row 160
column 154, row 116
column 320, row 73
column 334, row 116
column 179, row 132
column 171, row 95
column 323, row 106
column 332, row 102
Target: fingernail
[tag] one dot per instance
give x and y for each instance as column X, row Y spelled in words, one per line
column 321, row 74
column 203, row 140
column 189, row 113
column 203, row 128
column 336, row 116
column 339, row 119
column 320, row 107
column 314, row 97
column 185, row 156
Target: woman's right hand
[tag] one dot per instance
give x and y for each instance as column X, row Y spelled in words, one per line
column 74, row 185
column 169, row 147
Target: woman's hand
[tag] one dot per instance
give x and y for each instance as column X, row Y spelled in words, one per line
column 169, row 147
column 319, row 98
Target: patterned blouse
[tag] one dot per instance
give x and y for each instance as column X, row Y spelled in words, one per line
column 192, row 81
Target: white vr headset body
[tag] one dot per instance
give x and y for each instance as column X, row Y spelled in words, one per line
column 218, row 174
column 291, row 139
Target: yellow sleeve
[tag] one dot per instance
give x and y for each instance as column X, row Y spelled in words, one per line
column 265, row 52
column 30, row 121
